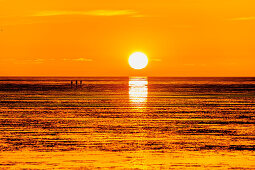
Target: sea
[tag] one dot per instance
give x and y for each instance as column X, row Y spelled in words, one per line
column 127, row 122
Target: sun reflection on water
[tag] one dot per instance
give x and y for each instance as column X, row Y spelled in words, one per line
column 138, row 90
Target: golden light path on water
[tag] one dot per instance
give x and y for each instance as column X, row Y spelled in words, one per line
column 138, row 90
column 138, row 93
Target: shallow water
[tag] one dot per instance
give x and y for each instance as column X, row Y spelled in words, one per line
column 127, row 123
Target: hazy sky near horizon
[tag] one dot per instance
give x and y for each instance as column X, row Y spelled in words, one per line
column 95, row 38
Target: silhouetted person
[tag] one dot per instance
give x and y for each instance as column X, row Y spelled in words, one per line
column 76, row 83
column 71, row 84
column 81, row 83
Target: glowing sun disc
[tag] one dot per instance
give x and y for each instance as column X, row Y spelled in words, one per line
column 138, row 60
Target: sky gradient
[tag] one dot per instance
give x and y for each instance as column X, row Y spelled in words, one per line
column 95, row 38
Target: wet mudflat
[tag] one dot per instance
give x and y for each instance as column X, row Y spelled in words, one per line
column 127, row 123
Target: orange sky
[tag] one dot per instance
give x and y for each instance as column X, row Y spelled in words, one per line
column 82, row 38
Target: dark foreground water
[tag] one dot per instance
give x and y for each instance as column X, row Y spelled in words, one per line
column 144, row 123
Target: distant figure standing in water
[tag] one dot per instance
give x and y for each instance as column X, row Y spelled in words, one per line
column 76, row 83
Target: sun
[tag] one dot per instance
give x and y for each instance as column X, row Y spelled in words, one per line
column 138, row 60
